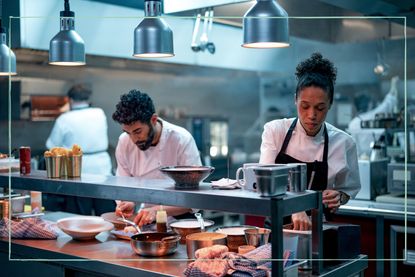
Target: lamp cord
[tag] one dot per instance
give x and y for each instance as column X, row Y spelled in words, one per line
column 67, row 8
column 1, row 11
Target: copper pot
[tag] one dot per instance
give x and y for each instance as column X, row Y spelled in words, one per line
column 152, row 244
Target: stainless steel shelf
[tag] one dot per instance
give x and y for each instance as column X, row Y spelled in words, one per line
column 160, row 192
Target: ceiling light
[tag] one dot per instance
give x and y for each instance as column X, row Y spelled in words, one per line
column 153, row 37
column 7, row 57
column 67, row 47
column 265, row 25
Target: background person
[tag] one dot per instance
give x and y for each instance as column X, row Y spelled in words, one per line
column 86, row 126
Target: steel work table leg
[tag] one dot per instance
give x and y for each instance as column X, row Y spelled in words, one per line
column 277, row 239
column 317, row 235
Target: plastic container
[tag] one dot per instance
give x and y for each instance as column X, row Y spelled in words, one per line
column 36, row 200
column 299, row 242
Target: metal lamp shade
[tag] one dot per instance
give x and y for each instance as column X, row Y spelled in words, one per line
column 153, row 38
column 266, row 26
column 67, row 48
column 7, row 58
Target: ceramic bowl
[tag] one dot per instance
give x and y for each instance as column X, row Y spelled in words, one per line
column 187, row 177
column 84, row 227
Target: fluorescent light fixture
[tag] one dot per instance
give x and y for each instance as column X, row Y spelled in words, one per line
column 265, row 25
column 153, row 37
column 67, row 47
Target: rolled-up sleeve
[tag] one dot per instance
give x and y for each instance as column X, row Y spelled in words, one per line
column 120, row 155
column 269, row 149
column 348, row 179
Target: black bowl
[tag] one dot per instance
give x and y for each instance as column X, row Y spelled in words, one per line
column 187, row 177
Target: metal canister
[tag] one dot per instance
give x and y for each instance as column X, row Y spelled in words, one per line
column 4, row 208
column 24, row 153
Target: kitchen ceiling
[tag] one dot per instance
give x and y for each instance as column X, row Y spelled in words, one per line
column 337, row 31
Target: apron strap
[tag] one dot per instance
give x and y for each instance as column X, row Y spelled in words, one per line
column 326, row 144
column 290, row 132
column 288, row 136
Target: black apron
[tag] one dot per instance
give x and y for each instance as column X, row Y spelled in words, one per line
column 317, row 171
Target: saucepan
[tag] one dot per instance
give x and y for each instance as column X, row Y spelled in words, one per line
column 155, row 244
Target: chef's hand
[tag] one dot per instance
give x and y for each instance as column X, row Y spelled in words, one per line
column 301, row 221
column 126, row 208
column 331, row 199
column 145, row 216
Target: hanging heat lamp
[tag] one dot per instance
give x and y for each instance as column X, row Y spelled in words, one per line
column 67, row 47
column 153, row 37
column 265, row 25
column 7, row 57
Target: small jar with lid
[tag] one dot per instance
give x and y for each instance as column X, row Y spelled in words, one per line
column 161, row 221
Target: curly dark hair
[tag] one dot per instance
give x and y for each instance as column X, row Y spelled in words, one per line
column 134, row 106
column 316, row 72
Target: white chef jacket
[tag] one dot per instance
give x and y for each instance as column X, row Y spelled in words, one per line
column 86, row 127
column 343, row 170
column 175, row 147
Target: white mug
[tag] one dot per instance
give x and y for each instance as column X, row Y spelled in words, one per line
column 249, row 180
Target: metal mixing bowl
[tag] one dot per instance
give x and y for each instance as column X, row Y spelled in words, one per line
column 187, row 177
column 151, row 244
column 185, row 227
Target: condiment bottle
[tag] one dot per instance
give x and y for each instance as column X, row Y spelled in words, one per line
column 161, row 221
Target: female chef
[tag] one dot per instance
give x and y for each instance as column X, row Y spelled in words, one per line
column 330, row 153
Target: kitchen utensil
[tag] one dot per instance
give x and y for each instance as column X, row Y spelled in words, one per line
column 199, row 240
column 153, row 245
column 186, row 227
column 122, row 235
column 114, row 219
column 235, row 235
column 248, row 181
column 187, row 177
column 245, row 249
column 170, row 238
column 200, row 220
column 17, row 203
column 132, row 223
column 54, row 166
column 299, row 242
column 26, row 215
column 74, row 166
column 84, row 227
column 297, row 177
column 257, row 236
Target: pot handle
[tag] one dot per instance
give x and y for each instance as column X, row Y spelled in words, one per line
column 170, row 239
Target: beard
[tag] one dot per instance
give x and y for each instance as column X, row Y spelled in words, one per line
column 144, row 145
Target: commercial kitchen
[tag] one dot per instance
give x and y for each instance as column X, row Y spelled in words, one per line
column 219, row 74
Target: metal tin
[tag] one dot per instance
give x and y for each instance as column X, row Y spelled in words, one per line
column 297, row 177
column 4, row 208
column 24, row 153
column 272, row 181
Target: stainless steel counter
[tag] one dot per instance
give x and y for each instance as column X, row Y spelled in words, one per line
column 373, row 208
column 163, row 192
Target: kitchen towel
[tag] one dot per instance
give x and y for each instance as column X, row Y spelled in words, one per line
column 30, row 228
column 230, row 263
column 226, row 183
